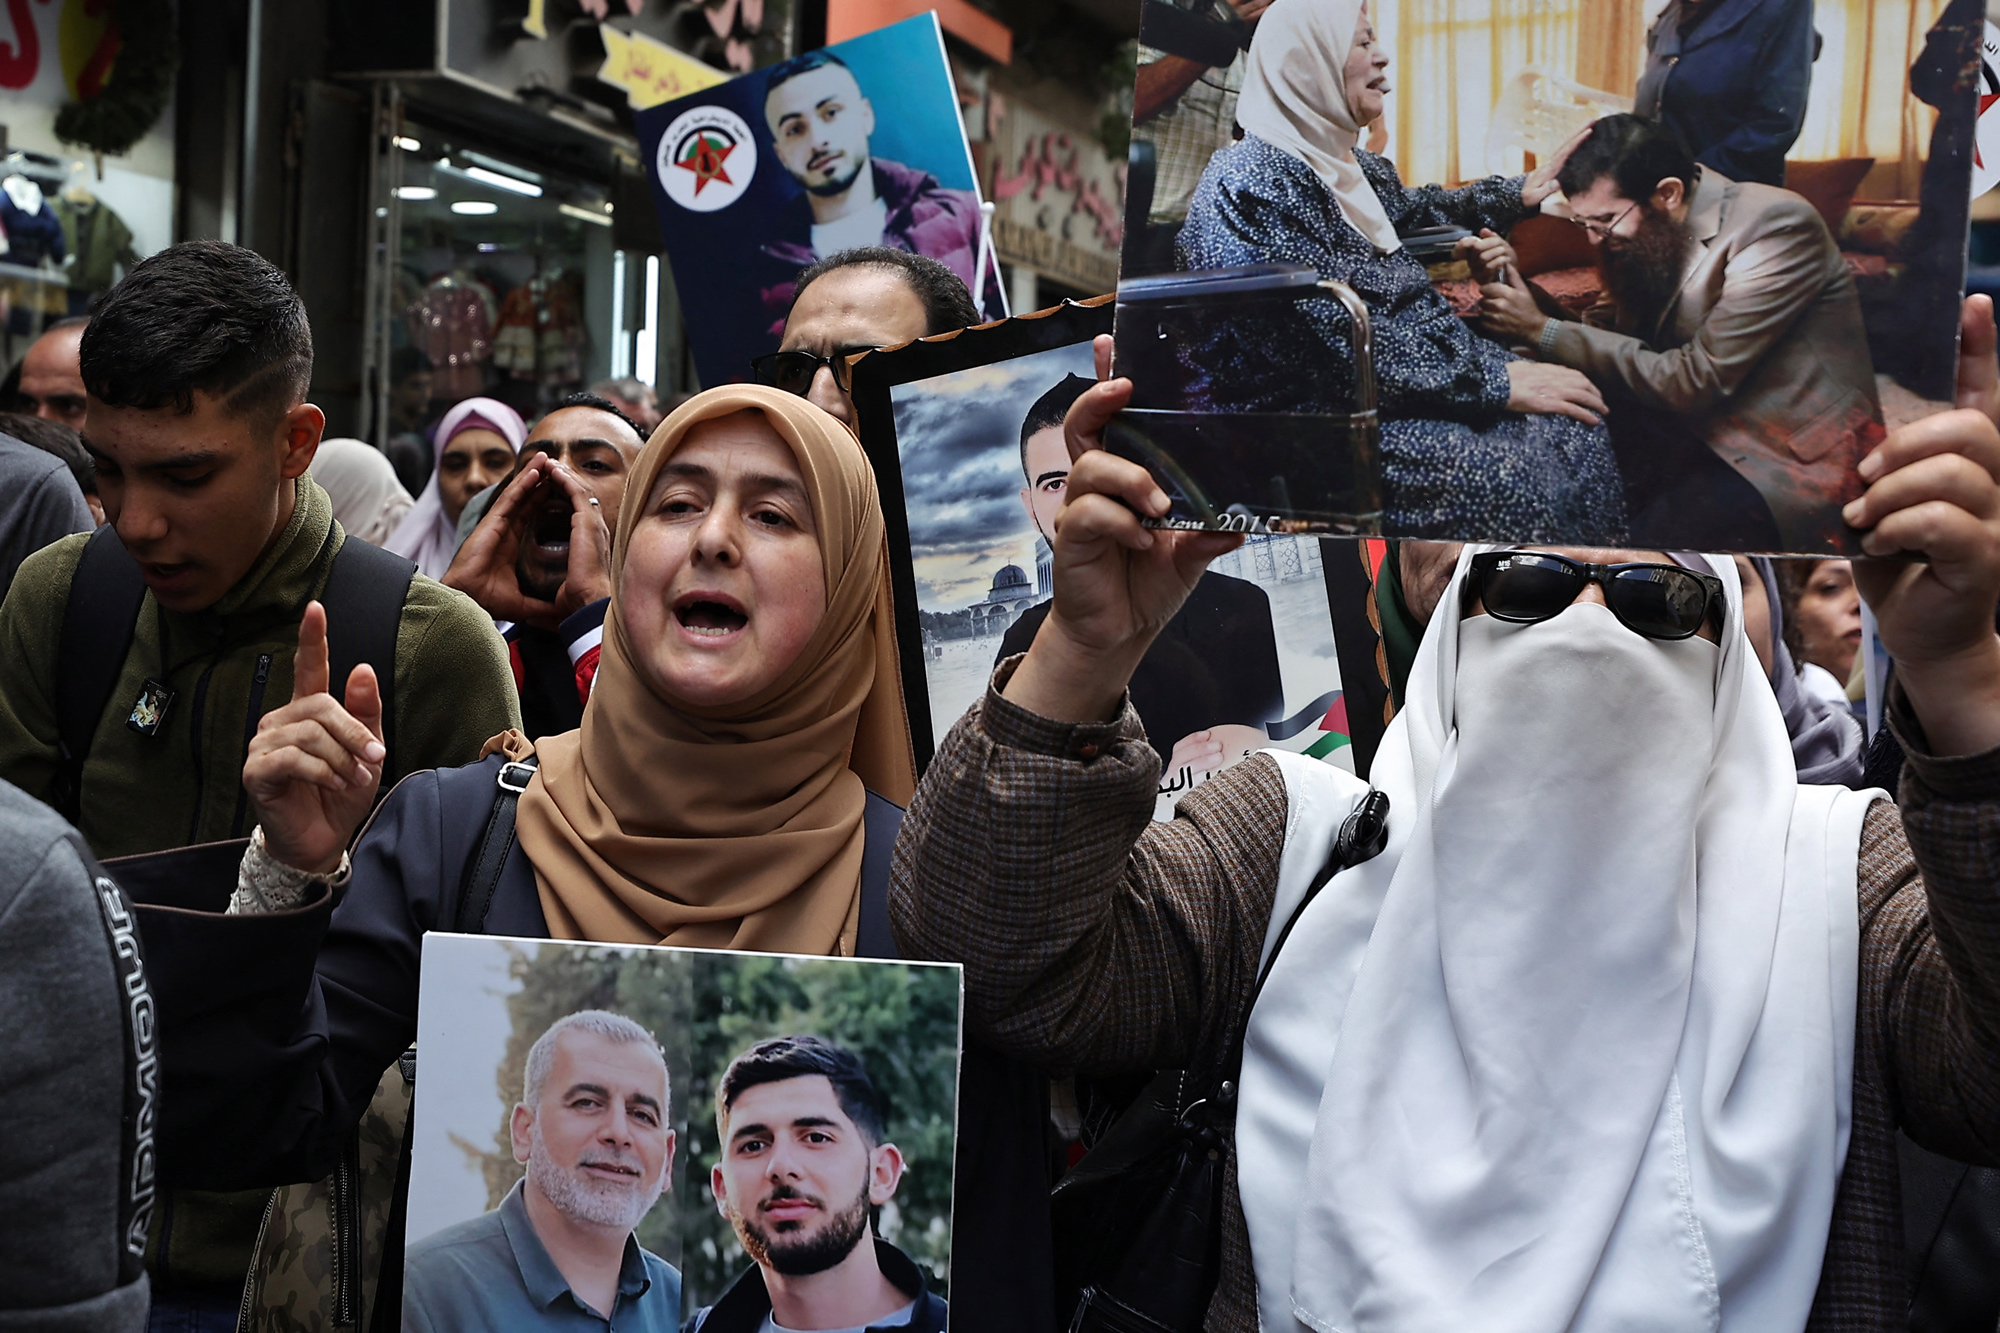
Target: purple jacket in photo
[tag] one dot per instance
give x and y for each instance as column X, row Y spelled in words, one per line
column 924, row 217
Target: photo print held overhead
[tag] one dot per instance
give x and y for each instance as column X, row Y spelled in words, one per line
column 965, row 433
column 1587, row 331
column 854, row 144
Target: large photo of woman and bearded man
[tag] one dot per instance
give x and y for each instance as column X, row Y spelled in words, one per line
column 1681, row 325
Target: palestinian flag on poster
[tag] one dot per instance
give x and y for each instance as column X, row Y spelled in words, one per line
column 1316, row 730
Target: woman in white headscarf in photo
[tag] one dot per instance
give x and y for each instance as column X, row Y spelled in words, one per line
column 1620, row 1028
column 476, row 444
column 1475, row 440
column 368, row 501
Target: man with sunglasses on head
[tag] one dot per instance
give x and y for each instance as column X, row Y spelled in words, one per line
column 1618, row 1025
column 851, row 302
column 1729, row 342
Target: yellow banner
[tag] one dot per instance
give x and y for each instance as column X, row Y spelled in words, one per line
column 651, row 72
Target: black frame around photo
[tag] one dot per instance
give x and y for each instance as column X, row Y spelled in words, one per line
column 876, row 374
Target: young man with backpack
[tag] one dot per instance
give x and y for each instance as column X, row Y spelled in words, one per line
column 137, row 663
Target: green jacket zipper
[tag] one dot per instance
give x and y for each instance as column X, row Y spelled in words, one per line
column 194, row 750
column 344, row 1206
column 250, row 721
column 246, row 1304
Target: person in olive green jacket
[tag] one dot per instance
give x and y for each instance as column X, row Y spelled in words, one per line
column 197, row 367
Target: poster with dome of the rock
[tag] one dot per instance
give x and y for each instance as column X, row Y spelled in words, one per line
column 980, row 462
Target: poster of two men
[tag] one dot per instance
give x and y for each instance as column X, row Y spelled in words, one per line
column 661, row 1138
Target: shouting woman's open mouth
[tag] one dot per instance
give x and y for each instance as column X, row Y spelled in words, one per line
column 710, row 614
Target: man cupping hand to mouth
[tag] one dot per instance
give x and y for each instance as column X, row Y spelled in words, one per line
column 540, row 558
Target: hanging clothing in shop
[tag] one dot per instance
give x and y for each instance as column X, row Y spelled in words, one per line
column 514, row 333
column 452, row 324
column 562, row 341
column 33, row 231
column 34, row 240
column 99, row 240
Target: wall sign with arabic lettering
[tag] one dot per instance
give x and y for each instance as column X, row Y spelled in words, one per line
column 1057, row 197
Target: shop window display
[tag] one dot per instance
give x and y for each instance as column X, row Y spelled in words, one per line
column 504, row 279
column 60, row 246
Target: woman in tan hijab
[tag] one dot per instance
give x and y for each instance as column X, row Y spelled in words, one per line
column 746, row 705
column 746, row 702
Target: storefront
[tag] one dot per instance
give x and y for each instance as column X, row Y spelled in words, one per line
column 1056, row 195
column 498, row 274
column 71, row 221
column 510, row 241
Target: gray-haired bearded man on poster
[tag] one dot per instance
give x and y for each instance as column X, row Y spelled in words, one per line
column 1729, row 344
column 592, row 1127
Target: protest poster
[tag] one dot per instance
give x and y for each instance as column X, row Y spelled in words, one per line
column 1378, row 312
column 854, row 144
column 640, row 1094
column 965, row 434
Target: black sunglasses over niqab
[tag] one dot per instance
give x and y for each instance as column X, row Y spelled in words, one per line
column 793, row 371
column 1658, row 601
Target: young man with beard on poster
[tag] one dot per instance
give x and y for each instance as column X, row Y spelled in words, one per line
column 1730, row 335
column 804, row 1166
column 820, row 123
column 1211, row 680
column 559, row 1251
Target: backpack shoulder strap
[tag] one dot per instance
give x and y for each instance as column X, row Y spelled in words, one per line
column 105, row 594
column 496, row 844
column 364, row 596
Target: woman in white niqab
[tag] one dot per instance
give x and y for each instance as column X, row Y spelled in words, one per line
column 1549, row 1061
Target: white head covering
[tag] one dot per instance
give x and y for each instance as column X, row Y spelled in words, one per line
column 1575, row 1052
column 425, row 535
column 368, row 501
column 1295, row 98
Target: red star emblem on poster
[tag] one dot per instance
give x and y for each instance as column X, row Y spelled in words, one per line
column 1985, row 100
column 706, row 158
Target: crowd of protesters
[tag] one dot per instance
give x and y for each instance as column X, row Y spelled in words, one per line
column 1633, row 1010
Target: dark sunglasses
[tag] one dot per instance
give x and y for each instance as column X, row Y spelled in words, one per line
column 1658, row 601
column 794, row 371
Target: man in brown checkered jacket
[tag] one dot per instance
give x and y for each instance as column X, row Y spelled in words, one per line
column 1619, row 1029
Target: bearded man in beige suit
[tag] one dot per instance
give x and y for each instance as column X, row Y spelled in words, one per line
column 1729, row 345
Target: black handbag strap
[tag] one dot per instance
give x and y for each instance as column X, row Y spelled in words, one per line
column 496, row 844
column 105, row 594
column 1362, row 837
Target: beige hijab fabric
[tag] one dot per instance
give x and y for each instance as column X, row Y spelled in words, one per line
column 1295, row 98
column 658, row 822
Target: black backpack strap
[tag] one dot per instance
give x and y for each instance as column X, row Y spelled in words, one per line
column 364, row 596
column 105, row 595
column 496, row 844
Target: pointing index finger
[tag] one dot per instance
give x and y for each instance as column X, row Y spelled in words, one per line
column 310, row 667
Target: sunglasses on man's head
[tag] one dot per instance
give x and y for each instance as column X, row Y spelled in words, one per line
column 793, row 371
column 1658, row 601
